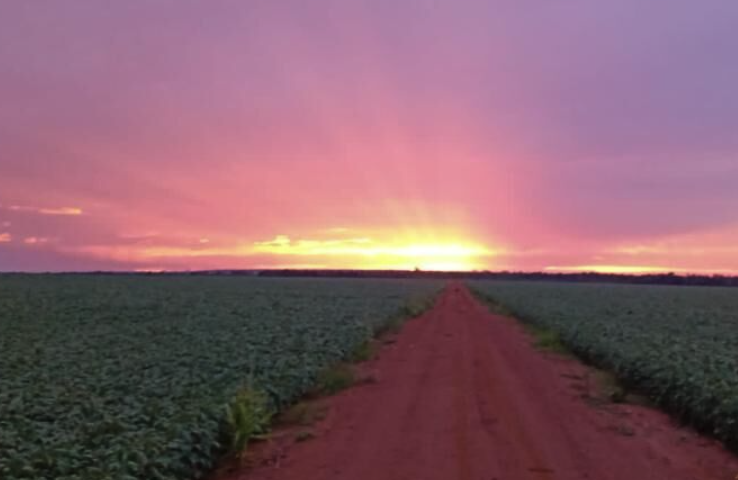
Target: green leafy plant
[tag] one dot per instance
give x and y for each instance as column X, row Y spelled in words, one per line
column 248, row 416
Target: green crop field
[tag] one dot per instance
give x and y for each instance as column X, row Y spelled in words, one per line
column 677, row 344
column 122, row 377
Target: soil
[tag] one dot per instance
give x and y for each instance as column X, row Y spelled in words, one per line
column 461, row 394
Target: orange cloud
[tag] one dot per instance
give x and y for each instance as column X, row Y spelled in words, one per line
column 35, row 240
column 279, row 241
column 47, row 211
column 5, row 237
column 635, row 269
column 61, row 211
column 676, row 248
column 283, row 245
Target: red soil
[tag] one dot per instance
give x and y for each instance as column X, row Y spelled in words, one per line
column 461, row 394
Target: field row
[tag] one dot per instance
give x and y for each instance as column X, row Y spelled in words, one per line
column 129, row 377
column 676, row 344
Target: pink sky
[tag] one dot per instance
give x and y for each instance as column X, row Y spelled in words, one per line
column 376, row 134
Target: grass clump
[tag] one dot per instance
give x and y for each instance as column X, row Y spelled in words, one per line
column 248, row 416
column 543, row 338
column 390, row 327
column 547, row 340
column 610, row 387
column 334, row 379
column 364, row 352
column 416, row 306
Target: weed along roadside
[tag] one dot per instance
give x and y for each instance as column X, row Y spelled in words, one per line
column 598, row 384
column 544, row 339
column 252, row 415
column 641, row 346
column 248, row 417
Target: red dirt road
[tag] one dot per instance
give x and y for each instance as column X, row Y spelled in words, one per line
column 462, row 395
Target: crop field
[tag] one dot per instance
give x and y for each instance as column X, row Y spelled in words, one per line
column 114, row 377
column 677, row 344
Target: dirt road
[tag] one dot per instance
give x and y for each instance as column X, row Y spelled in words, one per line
column 462, row 395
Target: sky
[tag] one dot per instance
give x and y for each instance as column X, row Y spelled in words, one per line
column 500, row 134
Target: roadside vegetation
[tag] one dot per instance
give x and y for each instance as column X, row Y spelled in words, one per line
column 676, row 345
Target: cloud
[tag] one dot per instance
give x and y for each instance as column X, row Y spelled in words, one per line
column 278, row 241
column 36, row 240
column 283, row 245
column 5, row 237
column 5, row 224
column 61, row 211
column 719, row 241
column 70, row 211
column 635, row 269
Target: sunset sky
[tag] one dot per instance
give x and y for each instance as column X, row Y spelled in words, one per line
column 500, row 134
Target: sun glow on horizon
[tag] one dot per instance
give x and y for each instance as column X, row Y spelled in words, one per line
column 360, row 252
column 366, row 253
